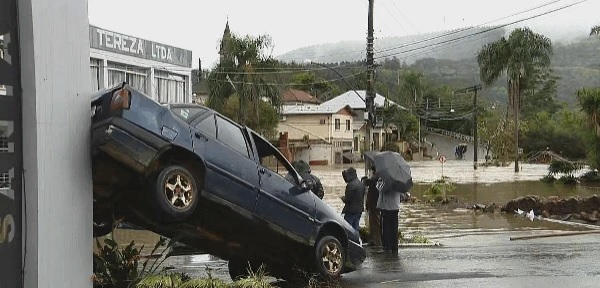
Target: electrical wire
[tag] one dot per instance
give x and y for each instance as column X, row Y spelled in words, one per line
column 386, row 49
column 466, row 29
column 481, row 32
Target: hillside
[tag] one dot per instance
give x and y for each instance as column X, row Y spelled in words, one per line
column 453, row 63
column 454, row 45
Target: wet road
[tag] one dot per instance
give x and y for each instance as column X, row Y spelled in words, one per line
column 476, row 248
column 489, row 260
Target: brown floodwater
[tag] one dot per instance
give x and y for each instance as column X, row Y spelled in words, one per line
column 484, row 185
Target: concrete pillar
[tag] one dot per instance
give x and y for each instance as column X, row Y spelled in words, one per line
column 150, row 84
column 104, row 73
column 56, row 109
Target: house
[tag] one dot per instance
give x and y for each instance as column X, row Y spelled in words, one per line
column 317, row 134
column 293, row 97
column 356, row 101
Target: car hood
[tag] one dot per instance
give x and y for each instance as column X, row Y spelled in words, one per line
column 326, row 213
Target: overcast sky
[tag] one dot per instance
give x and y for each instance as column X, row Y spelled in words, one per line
column 198, row 25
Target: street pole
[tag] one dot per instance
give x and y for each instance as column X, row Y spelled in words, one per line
column 369, row 101
column 475, row 136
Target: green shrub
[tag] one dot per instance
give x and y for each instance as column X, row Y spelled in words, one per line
column 438, row 191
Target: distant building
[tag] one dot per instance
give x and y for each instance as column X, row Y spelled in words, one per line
column 355, row 100
column 161, row 71
column 316, row 134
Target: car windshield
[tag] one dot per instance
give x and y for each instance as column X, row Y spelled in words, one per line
column 187, row 113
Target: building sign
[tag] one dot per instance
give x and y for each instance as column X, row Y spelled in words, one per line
column 128, row 45
column 11, row 155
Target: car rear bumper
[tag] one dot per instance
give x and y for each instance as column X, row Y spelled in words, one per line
column 126, row 142
column 356, row 256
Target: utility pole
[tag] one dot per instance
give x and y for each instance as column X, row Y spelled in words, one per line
column 475, row 136
column 370, row 97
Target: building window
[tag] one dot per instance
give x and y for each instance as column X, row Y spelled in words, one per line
column 170, row 88
column 348, row 125
column 4, row 145
column 134, row 76
column 337, row 124
column 4, row 180
column 95, row 74
column 322, row 121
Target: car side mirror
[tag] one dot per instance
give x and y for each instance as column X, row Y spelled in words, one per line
column 304, row 186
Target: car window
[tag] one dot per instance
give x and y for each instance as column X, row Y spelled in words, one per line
column 187, row 113
column 207, row 126
column 273, row 160
column 231, row 136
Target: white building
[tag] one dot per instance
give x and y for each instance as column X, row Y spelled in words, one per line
column 356, row 101
column 160, row 71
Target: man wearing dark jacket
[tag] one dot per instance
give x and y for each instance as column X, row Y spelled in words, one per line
column 371, row 205
column 353, row 198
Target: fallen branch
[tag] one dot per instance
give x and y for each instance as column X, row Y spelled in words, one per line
column 554, row 235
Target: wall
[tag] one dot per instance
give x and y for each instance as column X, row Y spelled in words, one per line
column 320, row 154
column 55, row 78
column 299, row 125
column 342, row 133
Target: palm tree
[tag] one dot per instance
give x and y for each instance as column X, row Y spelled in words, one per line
column 589, row 102
column 245, row 70
column 522, row 56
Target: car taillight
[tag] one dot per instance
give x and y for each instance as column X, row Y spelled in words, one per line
column 121, row 99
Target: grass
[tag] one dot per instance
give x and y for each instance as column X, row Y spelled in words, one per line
column 416, row 238
column 258, row 279
column 438, row 191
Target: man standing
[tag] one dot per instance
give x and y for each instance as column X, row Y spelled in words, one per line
column 314, row 183
column 353, row 198
column 371, row 205
column 389, row 205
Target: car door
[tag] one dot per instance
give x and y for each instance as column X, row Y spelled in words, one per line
column 231, row 172
column 281, row 201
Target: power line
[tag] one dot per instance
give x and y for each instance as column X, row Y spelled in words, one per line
column 386, row 49
column 465, row 29
column 481, row 32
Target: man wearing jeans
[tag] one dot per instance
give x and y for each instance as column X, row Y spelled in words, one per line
column 353, row 198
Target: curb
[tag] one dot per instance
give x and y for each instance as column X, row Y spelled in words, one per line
column 420, row 245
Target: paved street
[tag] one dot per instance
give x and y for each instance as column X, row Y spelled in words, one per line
column 490, row 260
column 484, row 260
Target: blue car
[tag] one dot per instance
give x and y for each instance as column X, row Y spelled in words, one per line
column 189, row 173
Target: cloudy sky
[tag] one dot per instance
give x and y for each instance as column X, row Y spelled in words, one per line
column 198, row 25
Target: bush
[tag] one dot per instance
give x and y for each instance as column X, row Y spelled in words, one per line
column 438, row 191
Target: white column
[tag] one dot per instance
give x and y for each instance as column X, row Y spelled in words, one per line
column 56, row 110
column 188, row 88
column 150, row 84
column 104, row 73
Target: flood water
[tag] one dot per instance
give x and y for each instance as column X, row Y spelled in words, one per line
column 484, row 185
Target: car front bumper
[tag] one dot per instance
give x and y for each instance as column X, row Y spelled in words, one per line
column 126, row 142
column 356, row 256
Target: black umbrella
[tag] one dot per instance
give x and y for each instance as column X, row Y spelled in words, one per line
column 394, row 171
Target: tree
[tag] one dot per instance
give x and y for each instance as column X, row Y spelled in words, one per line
column 246, row 69
column 595, row 30
column 522, row 56
column 309, row 82
column 589, row 102
column 411, row 88
column 265, row 125
column 404, row 121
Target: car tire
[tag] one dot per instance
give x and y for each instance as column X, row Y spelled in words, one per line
column 238, row 269
column 329, row 257
column 103, row 227
column 176, row 193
